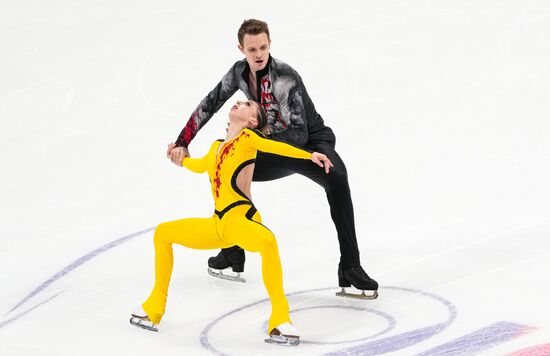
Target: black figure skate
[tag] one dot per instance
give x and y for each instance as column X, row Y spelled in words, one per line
column 230, row 257
column 357, row 277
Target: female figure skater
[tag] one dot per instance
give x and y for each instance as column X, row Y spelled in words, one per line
column 230, row 166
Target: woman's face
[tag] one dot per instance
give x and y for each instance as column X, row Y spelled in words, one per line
column 244, row 113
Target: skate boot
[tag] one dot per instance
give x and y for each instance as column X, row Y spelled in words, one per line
column 229, row 257
column 357, row 277
column 284, row 334
column 140, row 319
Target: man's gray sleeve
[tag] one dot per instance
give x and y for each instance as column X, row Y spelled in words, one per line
column 208, row 107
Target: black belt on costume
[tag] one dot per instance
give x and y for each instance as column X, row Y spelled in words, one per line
column 249, row 214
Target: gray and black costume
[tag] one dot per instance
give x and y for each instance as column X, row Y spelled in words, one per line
column 294, row 120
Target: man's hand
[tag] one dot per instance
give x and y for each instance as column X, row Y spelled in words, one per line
column 176, row 154
column 322, row 161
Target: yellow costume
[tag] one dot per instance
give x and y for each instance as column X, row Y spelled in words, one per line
column 235, row 222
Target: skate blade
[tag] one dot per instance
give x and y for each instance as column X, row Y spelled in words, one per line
column 283, row 340
column 372, row 294
column 228, row 277
column 143, row 323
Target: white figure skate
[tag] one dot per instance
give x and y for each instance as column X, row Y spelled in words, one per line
column 284, row 334
column 140, row 319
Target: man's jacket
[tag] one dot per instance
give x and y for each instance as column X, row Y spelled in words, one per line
column 281, row 92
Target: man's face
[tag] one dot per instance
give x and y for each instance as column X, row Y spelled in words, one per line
column 256, row 50
column 244, row 112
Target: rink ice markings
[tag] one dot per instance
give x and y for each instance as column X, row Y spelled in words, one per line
column 475, row 275
column 480, row 340
column 13, row 93
column 11, row 320
column 537, row 350
column 68, row 269
column 369, row 347
column 47, row 76
column 504, row 267
column 493, row 335
column 390, row 343
column 390, row 320
column 464, row 246
column 396, row 268
column 117, row 242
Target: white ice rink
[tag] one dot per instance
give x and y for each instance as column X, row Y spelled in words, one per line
column 441, row 111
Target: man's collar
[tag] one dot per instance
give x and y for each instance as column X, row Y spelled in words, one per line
column 259, row 74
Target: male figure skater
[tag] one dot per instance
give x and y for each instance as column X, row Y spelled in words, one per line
column 292, row 118
column 230, row 165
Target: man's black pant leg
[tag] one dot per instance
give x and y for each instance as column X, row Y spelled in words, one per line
column 269, row 167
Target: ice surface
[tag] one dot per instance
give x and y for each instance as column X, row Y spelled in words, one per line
column 441, row 115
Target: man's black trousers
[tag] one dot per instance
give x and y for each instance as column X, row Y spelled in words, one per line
column 270, row 167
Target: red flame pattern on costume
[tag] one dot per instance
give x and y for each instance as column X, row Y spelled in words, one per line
column 267, row 98
column 190, row 129
column 226, row 150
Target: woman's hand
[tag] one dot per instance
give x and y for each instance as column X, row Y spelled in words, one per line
column 321, row 160
column 176, row 154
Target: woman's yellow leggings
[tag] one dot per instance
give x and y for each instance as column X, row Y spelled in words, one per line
column 234, row 228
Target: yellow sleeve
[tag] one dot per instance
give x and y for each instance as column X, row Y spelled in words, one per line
column 278, row 148
column 199, row 165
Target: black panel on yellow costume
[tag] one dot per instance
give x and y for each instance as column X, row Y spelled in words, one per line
column 235, row 222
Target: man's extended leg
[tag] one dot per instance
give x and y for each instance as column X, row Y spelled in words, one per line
column 336, row 186
column 270, row 167
column 338, row 193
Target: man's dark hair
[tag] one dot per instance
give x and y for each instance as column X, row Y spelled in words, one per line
column 252, row 27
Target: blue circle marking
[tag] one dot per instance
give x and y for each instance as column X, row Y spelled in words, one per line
column 372, row 347
column 391, row 323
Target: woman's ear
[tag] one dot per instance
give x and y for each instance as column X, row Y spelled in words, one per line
column 252, row 123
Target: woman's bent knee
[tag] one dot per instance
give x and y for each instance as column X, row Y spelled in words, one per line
column 161, row 232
